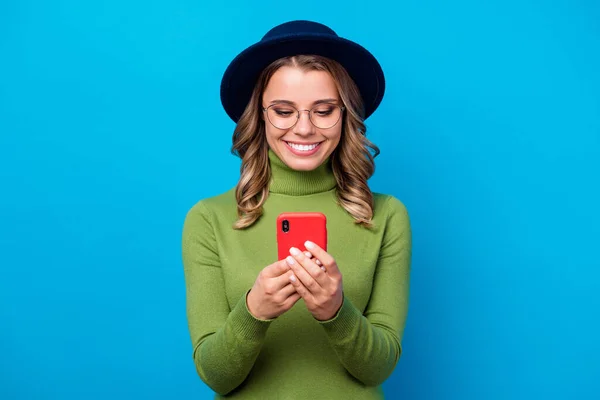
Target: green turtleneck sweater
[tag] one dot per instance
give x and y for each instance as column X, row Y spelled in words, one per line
column 296, row 356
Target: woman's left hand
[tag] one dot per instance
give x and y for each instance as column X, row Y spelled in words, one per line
column 320, row 285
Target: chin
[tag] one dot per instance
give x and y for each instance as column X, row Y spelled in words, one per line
column 302, row 163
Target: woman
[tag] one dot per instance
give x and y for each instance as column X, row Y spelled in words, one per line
column 317, row 324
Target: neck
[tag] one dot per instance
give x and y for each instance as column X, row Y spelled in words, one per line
column 286, row 180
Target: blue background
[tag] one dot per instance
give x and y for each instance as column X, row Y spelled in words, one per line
column 111, row 129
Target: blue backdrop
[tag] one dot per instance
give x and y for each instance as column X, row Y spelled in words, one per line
column 111, row 129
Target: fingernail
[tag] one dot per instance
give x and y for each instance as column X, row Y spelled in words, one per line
column 309, row 244
column 294, row 251
column 292, row 278
column 290, row 260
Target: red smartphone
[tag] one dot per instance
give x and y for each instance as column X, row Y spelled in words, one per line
column 294, row 228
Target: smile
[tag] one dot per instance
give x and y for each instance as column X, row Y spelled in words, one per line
column 303, row 147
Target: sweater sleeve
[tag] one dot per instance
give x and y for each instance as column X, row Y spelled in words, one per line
column 369, row 345
column 225, row 342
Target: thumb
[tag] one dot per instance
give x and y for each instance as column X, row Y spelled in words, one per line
column 278, row 268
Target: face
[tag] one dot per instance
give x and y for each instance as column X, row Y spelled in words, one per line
column 302, row 147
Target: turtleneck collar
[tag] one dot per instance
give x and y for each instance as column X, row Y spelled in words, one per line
column 285, row 180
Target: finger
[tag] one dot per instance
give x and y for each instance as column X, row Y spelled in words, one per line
column 318, row 262
column 301, row 289
column 290, row 301
column 307, row 254
column 299, row 273
column 288, row 289
column 276, row 269
column 283, row 280
column 307, row 271
column 313, row 269
column 325, row 258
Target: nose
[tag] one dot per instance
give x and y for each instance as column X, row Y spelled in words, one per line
column 303, row 126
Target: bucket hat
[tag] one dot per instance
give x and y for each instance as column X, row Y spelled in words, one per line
column 295, row 38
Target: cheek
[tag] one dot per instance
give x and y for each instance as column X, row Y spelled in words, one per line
column 271, row 134
column 335, row 137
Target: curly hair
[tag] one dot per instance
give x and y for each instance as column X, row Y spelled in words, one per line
column 352, row 161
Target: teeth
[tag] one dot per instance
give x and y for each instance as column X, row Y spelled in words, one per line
column 301, row 147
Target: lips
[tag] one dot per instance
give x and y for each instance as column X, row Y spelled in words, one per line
column 303, row 146
column 303, row 149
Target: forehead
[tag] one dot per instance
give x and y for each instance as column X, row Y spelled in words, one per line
column 299, row 86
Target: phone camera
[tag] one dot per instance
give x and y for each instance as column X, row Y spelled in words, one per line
column 285, row 225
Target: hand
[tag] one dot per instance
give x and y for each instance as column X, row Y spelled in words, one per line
column 272, row 293
column 318, row 281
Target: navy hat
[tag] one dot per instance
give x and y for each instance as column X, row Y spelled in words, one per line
column 295, row 38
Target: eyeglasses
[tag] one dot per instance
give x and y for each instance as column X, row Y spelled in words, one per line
column 322, row 116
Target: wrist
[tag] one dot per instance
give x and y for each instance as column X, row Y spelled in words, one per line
column 335, row 313
column 251, row 306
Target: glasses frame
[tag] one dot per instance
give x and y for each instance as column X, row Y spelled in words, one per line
column 342, row 109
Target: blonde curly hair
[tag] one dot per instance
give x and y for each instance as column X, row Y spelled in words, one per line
column 352, row 161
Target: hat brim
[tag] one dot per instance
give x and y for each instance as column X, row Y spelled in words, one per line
column 242, row 73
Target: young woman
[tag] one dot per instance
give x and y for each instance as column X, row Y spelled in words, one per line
column 317, row 324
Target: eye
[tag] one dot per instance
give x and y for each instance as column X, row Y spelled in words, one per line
column 283, row 112
column 324, row 111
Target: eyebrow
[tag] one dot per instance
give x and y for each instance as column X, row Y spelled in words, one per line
column 321, row 101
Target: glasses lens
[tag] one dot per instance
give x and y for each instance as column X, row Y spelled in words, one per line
column 325, row 116
column 282, row 116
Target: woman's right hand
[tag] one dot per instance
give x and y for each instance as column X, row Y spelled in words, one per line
column 272, row 293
